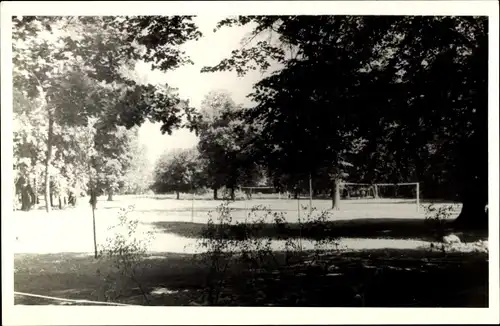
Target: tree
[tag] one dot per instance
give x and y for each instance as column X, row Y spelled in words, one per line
column 114, row 157
column 432, row 98
column 74, row 148
column 63, row 61
column 139, row 174
column 445, row 83
column 179, row 171
column 225, row 143
column 195, row 169
column 389, row 83
column 28, row 140
column 215, row 142
column 306, row 123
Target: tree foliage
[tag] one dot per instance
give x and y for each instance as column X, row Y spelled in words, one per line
column 139, row 174
column 180, row 170
column 226, row 143
column 372, row 98
column 72, row 69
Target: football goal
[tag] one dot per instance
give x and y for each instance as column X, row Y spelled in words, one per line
column 262, row 192
column 382, row 193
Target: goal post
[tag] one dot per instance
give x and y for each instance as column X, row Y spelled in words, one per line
column 378, row 191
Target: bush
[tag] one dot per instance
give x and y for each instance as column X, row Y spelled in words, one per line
column 218, row 252
column 126, row 249
column 227, row 244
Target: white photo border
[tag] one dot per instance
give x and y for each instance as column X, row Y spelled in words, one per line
column 44, row 315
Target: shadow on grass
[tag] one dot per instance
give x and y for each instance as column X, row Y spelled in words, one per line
column 81, row 277
column 372, row 278
column 387, row 228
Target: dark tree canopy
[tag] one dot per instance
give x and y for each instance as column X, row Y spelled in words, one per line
column 398, row 99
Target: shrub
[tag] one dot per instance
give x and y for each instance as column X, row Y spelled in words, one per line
column 217, row 251
column 126, row 249
column 227, row 243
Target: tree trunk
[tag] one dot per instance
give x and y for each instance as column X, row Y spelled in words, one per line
column 215, row 194
column 110, row 195
column 232, row 193
column 71, row 199
column 336, row 195
column 26, row 199
column 475, row 175
column 375, row 191
column 75, row 195
column 31, row 195
column 48, row 197
column 51, row 200
column 474, row 214
column 60, row 202
column 35, row 192
column 177, row 194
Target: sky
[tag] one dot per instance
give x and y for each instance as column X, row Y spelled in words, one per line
column 193, row 85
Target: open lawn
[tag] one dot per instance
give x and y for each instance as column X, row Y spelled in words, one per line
column 70, row 230
column 384, row 247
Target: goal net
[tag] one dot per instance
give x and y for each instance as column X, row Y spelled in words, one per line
column 262, row 193
column 382, row 193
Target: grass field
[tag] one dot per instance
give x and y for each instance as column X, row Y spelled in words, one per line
column 387, row 244
column 70, row 230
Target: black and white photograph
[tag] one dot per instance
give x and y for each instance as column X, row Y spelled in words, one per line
column 190, row 158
